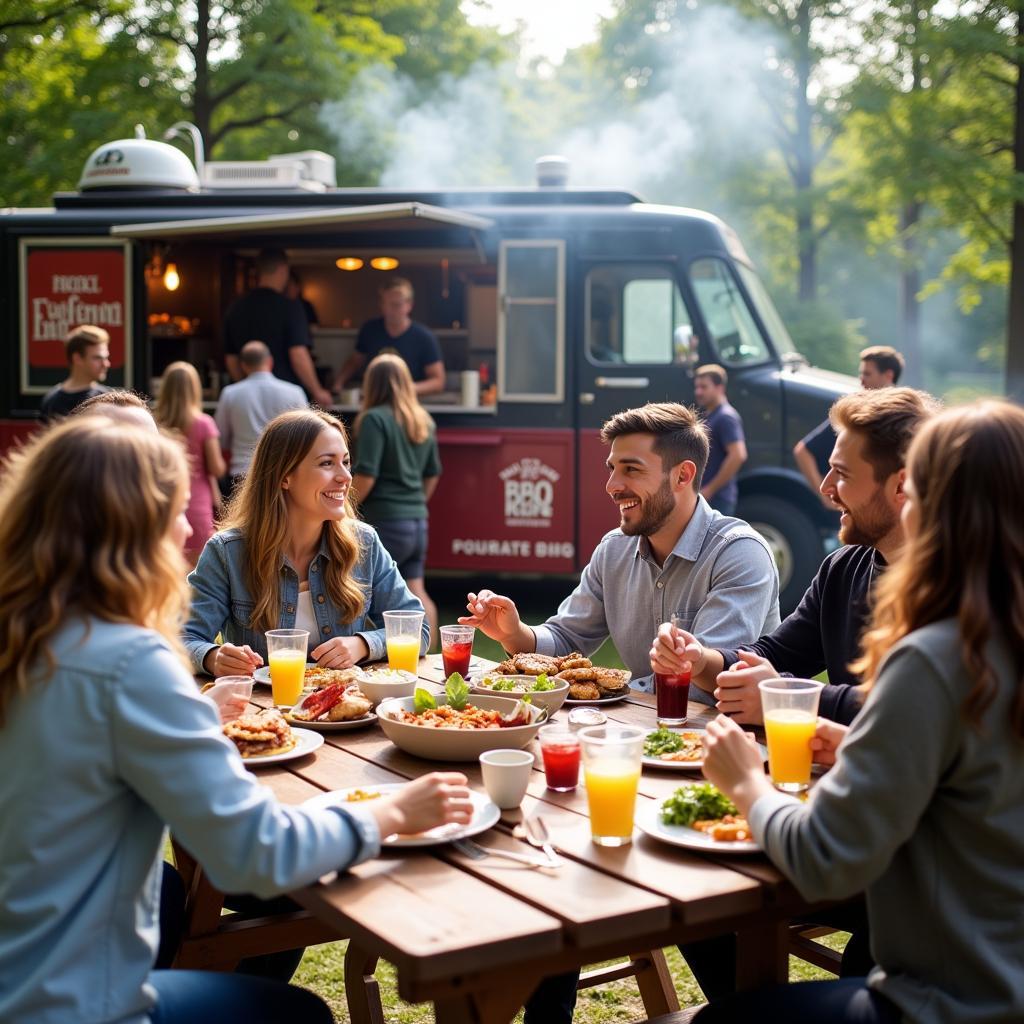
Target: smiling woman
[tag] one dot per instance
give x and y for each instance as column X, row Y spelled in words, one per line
column 294, row 555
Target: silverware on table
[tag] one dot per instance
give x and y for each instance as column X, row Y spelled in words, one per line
column 477, row 852
column 536, row 832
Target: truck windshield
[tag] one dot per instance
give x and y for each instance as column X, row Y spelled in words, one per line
column 766, row 310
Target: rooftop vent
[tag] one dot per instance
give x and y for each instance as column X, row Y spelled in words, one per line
column 138, row 163
column 552, row 171
column 311, row 171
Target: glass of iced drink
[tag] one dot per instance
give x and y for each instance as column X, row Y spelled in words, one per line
column 790, row 709
column 286, row 652
column 403, row 632
column 611, row 771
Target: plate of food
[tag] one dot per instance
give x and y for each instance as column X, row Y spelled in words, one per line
column 545, row 692
column 677, row 749
column 315, row 675
column 264, row 737
column 697, row 817
column 333, row 707
column 485, row 815
column 588, row 683
column 450, row 727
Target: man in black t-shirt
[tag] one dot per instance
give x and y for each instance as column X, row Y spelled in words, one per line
column 88, row 354
column 395, row 331
column 267, row 315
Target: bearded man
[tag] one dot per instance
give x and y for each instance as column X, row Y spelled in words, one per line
column 865, row 484
column 672, row 554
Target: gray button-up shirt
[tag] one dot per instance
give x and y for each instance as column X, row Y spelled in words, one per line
column 720, row 580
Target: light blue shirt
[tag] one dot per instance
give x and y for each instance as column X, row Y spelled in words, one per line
column 246, row 407
column 221, row 602
column 93, row 762
column 720, row 579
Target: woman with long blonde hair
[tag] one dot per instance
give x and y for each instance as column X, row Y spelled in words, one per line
column 396, row 468
column 924, row 807
column 293, row 555
column 105, row 740
column 179, row 409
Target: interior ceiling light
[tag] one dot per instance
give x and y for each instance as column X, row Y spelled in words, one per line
column 349, row 263
column 171, row 278
column 384, row 263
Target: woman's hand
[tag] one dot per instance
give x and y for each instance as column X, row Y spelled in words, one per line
column 341, row 652
column 733, row 763
column 827, row 737
column 431, row 800
column 229, row 660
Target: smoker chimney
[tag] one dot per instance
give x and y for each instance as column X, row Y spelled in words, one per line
column 552, row 171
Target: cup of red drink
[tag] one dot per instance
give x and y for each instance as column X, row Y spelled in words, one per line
column 456, row 649
column 672, row 693
column 560, row 751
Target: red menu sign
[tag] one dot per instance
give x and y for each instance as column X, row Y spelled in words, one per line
column 65, row 283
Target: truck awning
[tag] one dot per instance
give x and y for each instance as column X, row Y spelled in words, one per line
column 383, row 217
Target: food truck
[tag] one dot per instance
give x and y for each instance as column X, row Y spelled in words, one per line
column 555, row 308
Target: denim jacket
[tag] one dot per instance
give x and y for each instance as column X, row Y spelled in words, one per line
column 221, row 602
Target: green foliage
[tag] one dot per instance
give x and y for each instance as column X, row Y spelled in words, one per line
column 821, row 335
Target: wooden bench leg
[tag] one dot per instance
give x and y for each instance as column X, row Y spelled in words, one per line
column 762, row 956
column 650, row 969
column 362, row 993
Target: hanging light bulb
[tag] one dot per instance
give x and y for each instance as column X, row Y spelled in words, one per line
column 384, row 263
column 349, row 263
column 171, row 278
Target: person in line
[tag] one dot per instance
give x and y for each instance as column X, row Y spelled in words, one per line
column 671, row 554
column 105, row 741
column 865, row 483
column 728, row 449
column 924, row 807
column 395, row 331
column 880, row 367
column 179, row 409
column 294, row 291
column 293, row 555
column 267, row 314
column 396, row 470
column 88, row 353
column 121, row 405
column 247, row 406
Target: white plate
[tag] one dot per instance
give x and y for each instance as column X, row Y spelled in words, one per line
column 648, row 820
column 687, row 766
column 354, row 723
column 569, row 702
column 305, row 743
column 485, row 816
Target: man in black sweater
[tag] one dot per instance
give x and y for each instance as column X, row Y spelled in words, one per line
column 865, row 484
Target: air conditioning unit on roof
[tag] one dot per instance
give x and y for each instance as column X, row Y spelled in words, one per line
column 310, row 171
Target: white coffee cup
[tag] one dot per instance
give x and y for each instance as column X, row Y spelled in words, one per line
column 506, row 776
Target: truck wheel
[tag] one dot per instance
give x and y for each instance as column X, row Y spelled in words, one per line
column 794, row 541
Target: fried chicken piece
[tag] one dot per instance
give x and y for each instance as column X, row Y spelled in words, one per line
column 578, row 675
column 532, row 664
column 353, row 704
column 507, row 668
column 611, row 681
column 574, row 660
column 584, row 691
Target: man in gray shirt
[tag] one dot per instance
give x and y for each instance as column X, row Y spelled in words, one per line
column 246, row 407
column 672, row 554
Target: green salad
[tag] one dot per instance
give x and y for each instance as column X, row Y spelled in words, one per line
column 662, row 741
column 702, row 802
column 539, row 684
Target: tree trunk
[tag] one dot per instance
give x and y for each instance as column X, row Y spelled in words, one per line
column 910, row 285
column 202, row 108
column 1015, row 325
column 807, row 244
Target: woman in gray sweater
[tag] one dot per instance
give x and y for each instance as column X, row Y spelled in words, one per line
column 925, row 805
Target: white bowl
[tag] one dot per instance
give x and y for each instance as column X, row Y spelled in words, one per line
column 382, row 683
column 550, row 699
column 457, row 744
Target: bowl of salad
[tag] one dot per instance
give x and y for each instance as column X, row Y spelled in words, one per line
column 544, row 691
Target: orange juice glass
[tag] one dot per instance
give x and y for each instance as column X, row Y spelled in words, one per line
column 790, row 709
column 611, row 772
column 403, row 631
column 286, row 651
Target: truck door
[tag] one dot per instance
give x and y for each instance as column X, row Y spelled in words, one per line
column 635, row 342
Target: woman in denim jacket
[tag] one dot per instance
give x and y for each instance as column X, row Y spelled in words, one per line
column 294, row 556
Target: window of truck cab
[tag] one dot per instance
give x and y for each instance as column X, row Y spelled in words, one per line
column 733, row 331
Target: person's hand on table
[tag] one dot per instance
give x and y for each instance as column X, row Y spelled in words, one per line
column 439, row 798
column 737, row 693
column 495, row 616
column 229, row 660
column 733, row 762
column 340, row 652
column 675, row 652
column 827, row 737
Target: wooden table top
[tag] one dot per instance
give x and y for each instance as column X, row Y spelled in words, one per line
column 446, row 921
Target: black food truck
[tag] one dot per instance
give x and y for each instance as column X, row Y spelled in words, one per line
column 555, row 307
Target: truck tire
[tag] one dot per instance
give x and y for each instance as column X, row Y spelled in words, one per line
column 794, row 540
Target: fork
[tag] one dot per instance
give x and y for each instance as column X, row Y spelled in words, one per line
column 537, row 834
column 477, row 852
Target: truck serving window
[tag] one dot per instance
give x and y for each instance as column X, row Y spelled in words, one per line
column 734, row 334
column 531, row 319
column 633, row 311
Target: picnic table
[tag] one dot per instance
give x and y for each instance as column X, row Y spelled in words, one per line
column 475, row 937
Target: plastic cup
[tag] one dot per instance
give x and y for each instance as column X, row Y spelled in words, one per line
column 790, row 708
column 457, row 649
column 403, row 632
column 231, row 694
column 286, row 652
column 611, row 769
column 506, row 776
column 560, row 751
column 672, row 693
